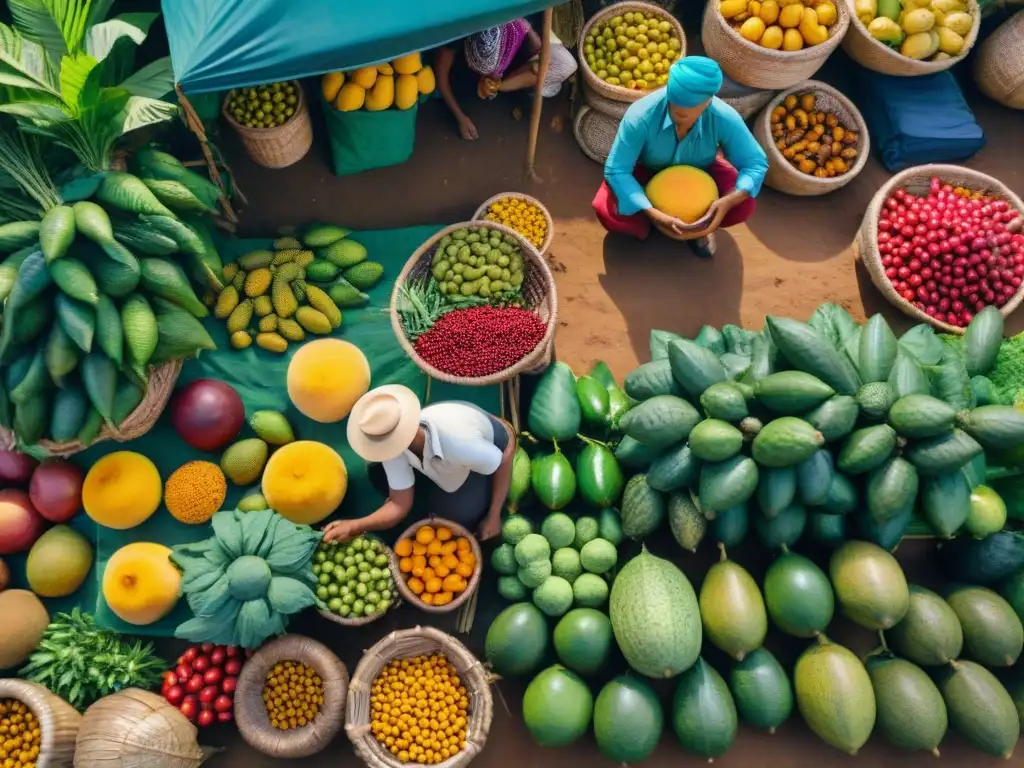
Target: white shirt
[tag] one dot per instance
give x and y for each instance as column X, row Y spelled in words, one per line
column 459, row 440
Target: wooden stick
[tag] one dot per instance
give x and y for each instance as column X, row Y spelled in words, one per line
column 538, row 97
column 196, row 126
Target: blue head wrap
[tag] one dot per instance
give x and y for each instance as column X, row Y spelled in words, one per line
column 693, row 80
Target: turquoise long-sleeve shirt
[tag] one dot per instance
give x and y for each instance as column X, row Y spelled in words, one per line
column 647, row 137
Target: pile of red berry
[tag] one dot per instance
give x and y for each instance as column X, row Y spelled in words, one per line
column 951, row 252
column 202, row 685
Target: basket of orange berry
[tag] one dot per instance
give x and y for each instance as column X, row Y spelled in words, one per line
column 440, row 563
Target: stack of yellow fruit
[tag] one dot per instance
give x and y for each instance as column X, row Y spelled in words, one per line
column 815, row 142
column 293, row 694
column 787, row 25
column 919, row 29
column 20, row 735
column 399, row 84
column 419, row 710
column 632, row 50
column 522, row 216
column 436, row 565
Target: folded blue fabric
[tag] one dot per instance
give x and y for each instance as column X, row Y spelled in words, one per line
column 917, row 120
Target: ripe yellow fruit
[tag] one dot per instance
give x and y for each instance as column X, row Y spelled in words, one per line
column 326, row 377
column 406, row 91
column 812, row 32
column 305, row 481
column 385, row 69
column 330, row 84
column 790, row 17
column 122, row 490
column 409, row 64
column 769, row 11
column 792, row 40
column 772, row 37
column 752, row 29
column 140, row 584
column 365, row 77
column 827, row 13
column 382, row 95
column 732, row 8
column 351, row 97
column 426, row 81
column 949, row 41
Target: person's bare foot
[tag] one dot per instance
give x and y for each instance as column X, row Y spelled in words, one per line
column 467, row 129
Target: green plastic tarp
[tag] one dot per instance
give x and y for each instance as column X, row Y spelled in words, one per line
column 221, row 44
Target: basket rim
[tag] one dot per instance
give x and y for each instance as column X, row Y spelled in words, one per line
column 482, row 211
column 301, row 104
column 836, row 33
column 474, row 580
column 537, row 262
column 868, row 234
column 783, row 165
column 364, row 620
column 924, row 67
column 626, row 6
column 34, row 696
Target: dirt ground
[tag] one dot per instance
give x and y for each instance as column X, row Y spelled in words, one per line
column 794, row 255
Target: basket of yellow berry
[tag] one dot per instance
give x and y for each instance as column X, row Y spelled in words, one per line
column 290, row 698
column 525, row 214
column 39, row 728
column 440, row 564
column 419, row 697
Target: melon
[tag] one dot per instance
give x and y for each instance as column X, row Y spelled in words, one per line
column 326, row 377
column 517, row 640
column 305, row 481
column 25, row 620
column 140, row 584
column 58, row 562
column 122, row 490
column 683, row 192
column 557, row 707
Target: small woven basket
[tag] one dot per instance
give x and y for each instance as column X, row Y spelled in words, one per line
column 251, row 712
column 879, row 57
column 282, row 145
column 618, row 92
column 58, row 721
column 595, row 133
column 999, row 65
column 362, row 620
column 599, row 103
column 539, row 295
column 751, row 64
column 139, row 422
column 474, row 581
column 481, row 213
column 405, row 644
column 917, row 180
column 782, row 174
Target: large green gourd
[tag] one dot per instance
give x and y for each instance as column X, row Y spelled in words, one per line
column 627, row 720
column 732, row 609
column 762, row 691
column 834, row 695
column 703, row 712
column 911, row 713
column 980, row 709
column 555, row 412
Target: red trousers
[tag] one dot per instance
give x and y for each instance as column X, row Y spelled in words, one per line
column 639, row 226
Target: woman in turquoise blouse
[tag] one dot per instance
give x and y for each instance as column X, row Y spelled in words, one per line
column 681, row 124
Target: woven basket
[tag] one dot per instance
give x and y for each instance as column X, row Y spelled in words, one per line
column 618, row 92
column 877, row 56
column 409, row 643
column 251, row 713
column 58, row 721
column 538, row 290
column 474, row 580
column 750, row 64
column 916, row 180
column 282, row 145
column 999, row 65
column 139, row 422
column 749, row 105
column 782, row 175
column 481, row 214
column 599, row 103
column 346, row 622
column 595, row 133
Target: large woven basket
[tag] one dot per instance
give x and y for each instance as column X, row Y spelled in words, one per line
column 282, row 145
column 409, row 643
column 877, row 56
column 58, row 721
column 751, row 64
column 362, row 620
column 618, row 92
column 595, row 132
column 597, row 102
column 481, row 214
column 474, row 580
column 749, row 105
column 782, row 175
column 251, row 713
column 916, row 180
column 139, row 422
column 539, row 294
column 999, row 65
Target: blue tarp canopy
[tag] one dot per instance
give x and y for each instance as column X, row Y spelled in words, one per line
column 221, row 44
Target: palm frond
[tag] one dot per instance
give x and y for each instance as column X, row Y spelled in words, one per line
column 58, row 25
column 22, row 159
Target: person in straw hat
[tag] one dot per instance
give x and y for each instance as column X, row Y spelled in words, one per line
column 463, row 451
column 683, row 123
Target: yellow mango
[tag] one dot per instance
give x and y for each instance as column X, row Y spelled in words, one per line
column 790, row 16
column 946, row 6
column 754, row 7
column 920, row 46
column 866, row 10
column 769, row 11
column 949, row 41
column 752, row 29
column 940, row 17
column 812, row 32
column 959, row 22
column 912, row 5
column 406, row 91
column 772, row 37
column 425, row 80
column 918, row 20
column 351, row 97
column 385, row 69
column 382, row 95
column 784, row 3
column 365, row 77
column 885, row 30
column 940, row 56
column 732, row 8
column 792, row 40
column 330, row 84
column 827, row 13
column 409, row 64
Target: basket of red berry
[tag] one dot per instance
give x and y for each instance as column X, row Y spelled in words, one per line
column 202, row 683
column 942, row 242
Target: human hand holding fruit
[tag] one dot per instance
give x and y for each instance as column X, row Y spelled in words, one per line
column 341, row 531
column 490, row 527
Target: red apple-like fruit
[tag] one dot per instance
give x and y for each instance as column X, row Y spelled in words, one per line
column 56, row 490
column 16, row 468
column 208, row 414
column 20, row 524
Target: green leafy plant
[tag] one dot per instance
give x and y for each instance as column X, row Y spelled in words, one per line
column 81, row 663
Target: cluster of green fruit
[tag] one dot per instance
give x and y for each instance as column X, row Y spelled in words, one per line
column 478, row 261
column 355, row 578
column 263, row 106
column 632, row 50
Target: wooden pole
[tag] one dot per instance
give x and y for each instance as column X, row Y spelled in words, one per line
column 196, row 126
column 538, row 96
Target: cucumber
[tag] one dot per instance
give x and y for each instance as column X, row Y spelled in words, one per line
column 842, row 495
column 109, row 333
column 77, row 319
column 835, row 418
column 594, row 402
column 866, row 449
column 33, row 382
column 128, row 397
column 763, row 358
column 90, row 427
column 62, row 354
column 99, row 375
column 876, row 351
column 551, row 477
column 643, row 509
column 660, row 422
column 785, row 442
column 678, row 468
column 31, row 418
column 982, row 340
column 715, row 440
column 694, row 367
column 809, row 352
column 727, row 483
column 920, row 416
column 944, row 453
column 891, row 488
column 142, row 238
column 18, row 234
column 598, row 476
column 729, row 526
column 946, row 502
column 618, row 404
column 9, row 270
column 129, row 193
column 711, row 338
column 784, row 530
column 776, row 490
column 659, row 341
column 600, row 372
column 634, row 454
column 652, row 379
column 996, row 427
column 814, row 478
column 908, row 377
column 70, row 407
column 57, row 232
column 726, row 401
column 75, row 279
column 555, row 412
column 792, row 392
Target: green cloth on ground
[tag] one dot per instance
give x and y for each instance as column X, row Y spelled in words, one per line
column 362, row 141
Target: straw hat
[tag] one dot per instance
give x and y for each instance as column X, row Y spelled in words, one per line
column 383, row 422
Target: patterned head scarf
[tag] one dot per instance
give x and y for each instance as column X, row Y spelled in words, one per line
column 693, row 80
column 489, row 53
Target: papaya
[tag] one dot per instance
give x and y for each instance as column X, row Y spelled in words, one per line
column 555, row 412
column 595, row 405
column 553, row 480
column 598, row 476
